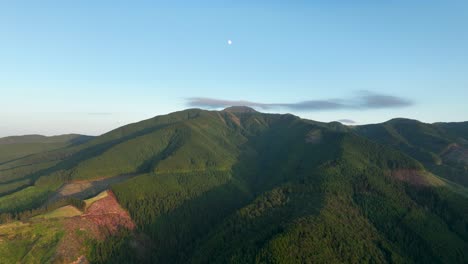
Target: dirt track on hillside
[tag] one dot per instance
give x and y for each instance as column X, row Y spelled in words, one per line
column 86, row 189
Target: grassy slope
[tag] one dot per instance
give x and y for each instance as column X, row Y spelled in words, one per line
column 36, row 239
column 65, row 211
column 29, row 242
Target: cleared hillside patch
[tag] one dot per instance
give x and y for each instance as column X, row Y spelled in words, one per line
column 62, row 212
column 61, row 236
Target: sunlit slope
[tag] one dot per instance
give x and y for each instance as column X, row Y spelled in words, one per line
column 28, row 181
column 190, row 140
column 24, row 158
column 199, row 141
column 63, row 234
column 12, row 148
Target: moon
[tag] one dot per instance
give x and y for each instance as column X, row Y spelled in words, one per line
column 229, row 42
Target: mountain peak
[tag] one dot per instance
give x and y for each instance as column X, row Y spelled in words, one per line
column 240, row 109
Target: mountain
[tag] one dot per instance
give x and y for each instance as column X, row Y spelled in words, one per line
column 240, row 186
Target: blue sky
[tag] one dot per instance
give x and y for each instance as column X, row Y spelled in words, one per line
column 91, row 66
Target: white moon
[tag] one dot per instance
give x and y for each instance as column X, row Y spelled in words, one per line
column 229, row 42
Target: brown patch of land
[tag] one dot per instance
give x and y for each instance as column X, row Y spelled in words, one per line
column 414, row 177
column 102, row 218
column 107, row 213
column 234, row 119
column 86, row 189
column 81, row 260
column 456, row 153
column 417, row 177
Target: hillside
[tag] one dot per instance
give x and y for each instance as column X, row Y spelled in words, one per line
column 441, row 147
column 61, row 235
column 20, row 146
column 240, row 186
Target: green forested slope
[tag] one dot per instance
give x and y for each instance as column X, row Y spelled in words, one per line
column 300, row 192
column 441, row 147
column 16, row 147
column 238, row 186
column 24, row 158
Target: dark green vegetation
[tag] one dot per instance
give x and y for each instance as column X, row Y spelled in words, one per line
column 441, row 147
column 20, row 146
column 23, row 159
column 238, row 186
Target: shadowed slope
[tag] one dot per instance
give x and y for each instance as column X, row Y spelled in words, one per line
column 441, row 147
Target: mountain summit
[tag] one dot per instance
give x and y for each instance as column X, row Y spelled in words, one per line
column 240, row 109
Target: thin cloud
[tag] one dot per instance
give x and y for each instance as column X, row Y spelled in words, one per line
column 372, row 100
column 347, row 121
column 362, row 101
column 218, row 103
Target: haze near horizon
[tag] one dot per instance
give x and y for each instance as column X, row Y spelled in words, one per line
column 87, row 67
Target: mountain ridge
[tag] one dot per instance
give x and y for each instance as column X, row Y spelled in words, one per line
column 221, row 186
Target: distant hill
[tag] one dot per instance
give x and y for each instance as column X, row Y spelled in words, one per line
column 20, row 146
column 70, row 138
column 441, row 147
column 240, row 186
